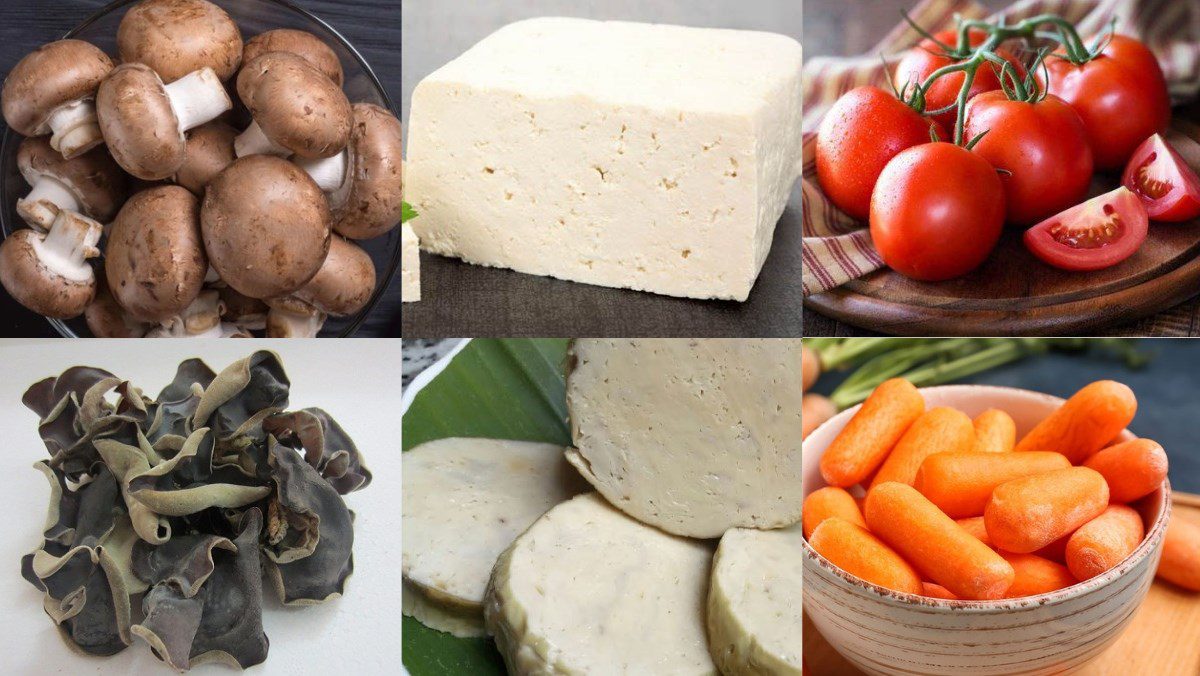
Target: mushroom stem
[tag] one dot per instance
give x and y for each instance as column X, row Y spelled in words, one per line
column 283, row 323
column 254, row 142
column 48, row 197
column 70, row 242
column 329, row 172
column 74, row 128
column 198, row 97
column 200, row 319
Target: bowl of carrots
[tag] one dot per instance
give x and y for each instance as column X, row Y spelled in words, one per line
column 977, row 529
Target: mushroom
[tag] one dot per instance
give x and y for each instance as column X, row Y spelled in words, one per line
column 296, row 109
column 91, row 184
column 266, row 226
column 364, row 182
column 177, row 37
column 200, row 319
column 292, row 318
column 243, row 311
column 107, row 319
column 344, row 283
column 51, row 91
column 143, row 120
column 154, row 259
column 48, row 272
column 209, row 151
column 301, row 43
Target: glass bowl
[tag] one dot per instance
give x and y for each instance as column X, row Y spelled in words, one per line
column 252, row 17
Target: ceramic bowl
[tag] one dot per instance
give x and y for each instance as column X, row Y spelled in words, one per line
column 886, row 632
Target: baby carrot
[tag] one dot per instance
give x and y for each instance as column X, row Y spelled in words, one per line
column 935, row 544
column 1087, row 421
column 936, row 591
column 1055, row 551
column 960, row 484
column 866, row 440
column 814, row 411
column 938, row 430
column 828, row 502
column 1029, row 513
column 995, row 432
column 855, row 550
column 1036, row 575
column 810, row 368
column 1180, row 561
column 1104, row 541
column 974, row 526
column 1133, row 469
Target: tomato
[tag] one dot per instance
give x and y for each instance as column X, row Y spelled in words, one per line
column 863, row 130
column 1167, row 186
column 937, row 212
column 1099, row 233
column 1042, row 145
column 1121, row 95
column 921, row 61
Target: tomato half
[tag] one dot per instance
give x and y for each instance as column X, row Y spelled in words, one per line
column 937, row 212
column 921, row 61
column 1043, row 147
column 1099, row 233
column 1121, row 95
column 863, row 130
column 1167, row 186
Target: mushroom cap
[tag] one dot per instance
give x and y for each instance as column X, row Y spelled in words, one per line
column 372, row 207
column 95, row 179
column 54, row 74
column 296, row 106
column 176, row 37
column 35, row 285
column 107, row 319
column 266, row 226
column 138, row 123
column 344, row 283
column 155, row 261
column 301, row 43
column 209, row 151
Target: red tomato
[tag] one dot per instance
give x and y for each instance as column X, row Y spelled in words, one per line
column 1099, row 233
column 1044, row 147
column 937, row 212
column 1167, row 186
column 1121, row 96
column 921, row 61
column 864, row 129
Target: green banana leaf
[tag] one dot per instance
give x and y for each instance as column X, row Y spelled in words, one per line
column 498, row 388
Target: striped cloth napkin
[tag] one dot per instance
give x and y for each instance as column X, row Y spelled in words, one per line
column 838, row 248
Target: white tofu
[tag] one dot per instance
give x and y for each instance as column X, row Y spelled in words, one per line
column 639, row 156
column 410, row 265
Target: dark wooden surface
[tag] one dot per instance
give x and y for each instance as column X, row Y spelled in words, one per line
column 372, row 26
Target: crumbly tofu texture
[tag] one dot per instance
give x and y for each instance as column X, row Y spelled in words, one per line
column 410, row 265
column 692, row 436
column 589, row 590
column 464, row 501
column 754, row 602
column 640, row 156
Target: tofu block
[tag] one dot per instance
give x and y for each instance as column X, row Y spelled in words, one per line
column 410, row 265
column 639, row 156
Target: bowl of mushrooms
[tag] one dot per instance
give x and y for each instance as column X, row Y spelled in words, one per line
column 196, row 168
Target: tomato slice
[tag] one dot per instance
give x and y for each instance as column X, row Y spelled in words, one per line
column 1099, row 233
column 1167, row 186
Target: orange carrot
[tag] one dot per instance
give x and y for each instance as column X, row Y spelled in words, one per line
column 938, row 430
column 1055, row 551
column 974, row 526
column 810, row 368
column 1087, row 421
column 1132, row 469
column 866, row 440
column 1180, row 561
column 814, row 411
column 855, row 550
column 828, row 502
column 960, row 484
column 1036, row 575
column 1029, row 513
column 936, row 591
column 1104, row 541
column 995, row 432
column 935, row 544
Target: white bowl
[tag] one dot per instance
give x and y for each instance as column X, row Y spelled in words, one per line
column 887, row 632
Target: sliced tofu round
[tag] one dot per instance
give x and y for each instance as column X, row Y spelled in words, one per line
column 754, row 603
column 589, row 590
column 692, row 436
column 464, row 501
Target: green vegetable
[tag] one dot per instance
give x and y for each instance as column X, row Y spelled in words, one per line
column 406, row 212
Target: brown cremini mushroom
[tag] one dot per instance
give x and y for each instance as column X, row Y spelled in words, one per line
column 296, row 109
column 154, row 259
column 344, row 283
column 177, row 37
column 91, row 184
column 301, row 43
column 266, row 226
column 200, row 319
column 241, row 310
column 209, row 151
column 293, row 318
column 107, row 319
column 51, row 91
column 48, row 272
